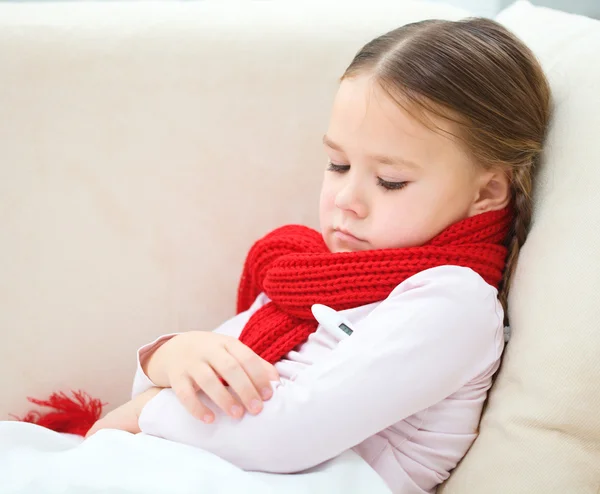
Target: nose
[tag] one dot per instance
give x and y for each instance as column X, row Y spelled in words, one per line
column 350, row 197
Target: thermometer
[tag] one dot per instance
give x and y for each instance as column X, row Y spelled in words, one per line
column 330, row 318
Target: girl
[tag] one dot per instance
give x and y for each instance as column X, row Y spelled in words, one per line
column 435, row 132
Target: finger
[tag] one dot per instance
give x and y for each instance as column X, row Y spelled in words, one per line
column 230, row 369
column 271, row 370
column 207, row 379
column 187, row 394
column 258, row 370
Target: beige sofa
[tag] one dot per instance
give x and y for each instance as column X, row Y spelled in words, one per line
column 145, row 146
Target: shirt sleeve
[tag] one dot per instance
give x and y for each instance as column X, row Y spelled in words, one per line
column 431, row 336
column 231, row 327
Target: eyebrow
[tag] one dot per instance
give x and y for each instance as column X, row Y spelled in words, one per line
column 381, row 158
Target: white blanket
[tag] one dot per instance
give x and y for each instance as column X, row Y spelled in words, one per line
column 34, row 460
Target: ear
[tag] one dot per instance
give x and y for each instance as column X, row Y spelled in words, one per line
column 493, row 192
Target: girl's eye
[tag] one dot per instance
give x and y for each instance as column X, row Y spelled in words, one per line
column 391, row 185
column 333, row 167
column 338, row 168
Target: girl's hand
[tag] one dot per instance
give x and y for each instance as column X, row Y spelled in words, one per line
column 194, row 361
column 127, row 416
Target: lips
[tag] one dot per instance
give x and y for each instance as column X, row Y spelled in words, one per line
column 345, row 235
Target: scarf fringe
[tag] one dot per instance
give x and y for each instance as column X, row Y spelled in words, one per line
column 71, row 415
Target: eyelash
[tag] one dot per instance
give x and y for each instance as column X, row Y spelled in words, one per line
column 333, row 167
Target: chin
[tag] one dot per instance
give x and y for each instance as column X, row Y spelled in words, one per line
column 333, row 247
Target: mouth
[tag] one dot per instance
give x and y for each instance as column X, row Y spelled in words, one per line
column 346, row 236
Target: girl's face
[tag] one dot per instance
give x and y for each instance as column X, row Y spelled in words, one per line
column 390, row 181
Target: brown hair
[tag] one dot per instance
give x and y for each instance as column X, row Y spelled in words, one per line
column 477, row 74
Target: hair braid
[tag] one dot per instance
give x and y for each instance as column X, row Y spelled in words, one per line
column 522, row 180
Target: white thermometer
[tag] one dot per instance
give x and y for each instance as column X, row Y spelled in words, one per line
column 330, row 318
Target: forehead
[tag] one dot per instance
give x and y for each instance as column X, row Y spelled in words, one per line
column 366, row 117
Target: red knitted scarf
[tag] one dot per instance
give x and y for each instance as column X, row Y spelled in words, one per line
column 295, row 269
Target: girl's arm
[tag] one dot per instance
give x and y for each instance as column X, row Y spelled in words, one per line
column 413, row 350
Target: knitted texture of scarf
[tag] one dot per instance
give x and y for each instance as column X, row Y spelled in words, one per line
column 295, row 269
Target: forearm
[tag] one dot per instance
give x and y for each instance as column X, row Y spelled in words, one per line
column 259, row 443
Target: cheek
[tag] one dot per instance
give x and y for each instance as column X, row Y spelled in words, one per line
column 396, row 226
column 432, row 210
column 410, row 219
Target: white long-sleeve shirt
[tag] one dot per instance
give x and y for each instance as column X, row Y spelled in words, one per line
column 405, row 390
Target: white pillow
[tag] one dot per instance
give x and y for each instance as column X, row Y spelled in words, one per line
column 541, row 430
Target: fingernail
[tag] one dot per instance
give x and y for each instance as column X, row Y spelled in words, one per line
column 207, row 418
column 237, row 411
column 255, row 406
column 265, row 393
